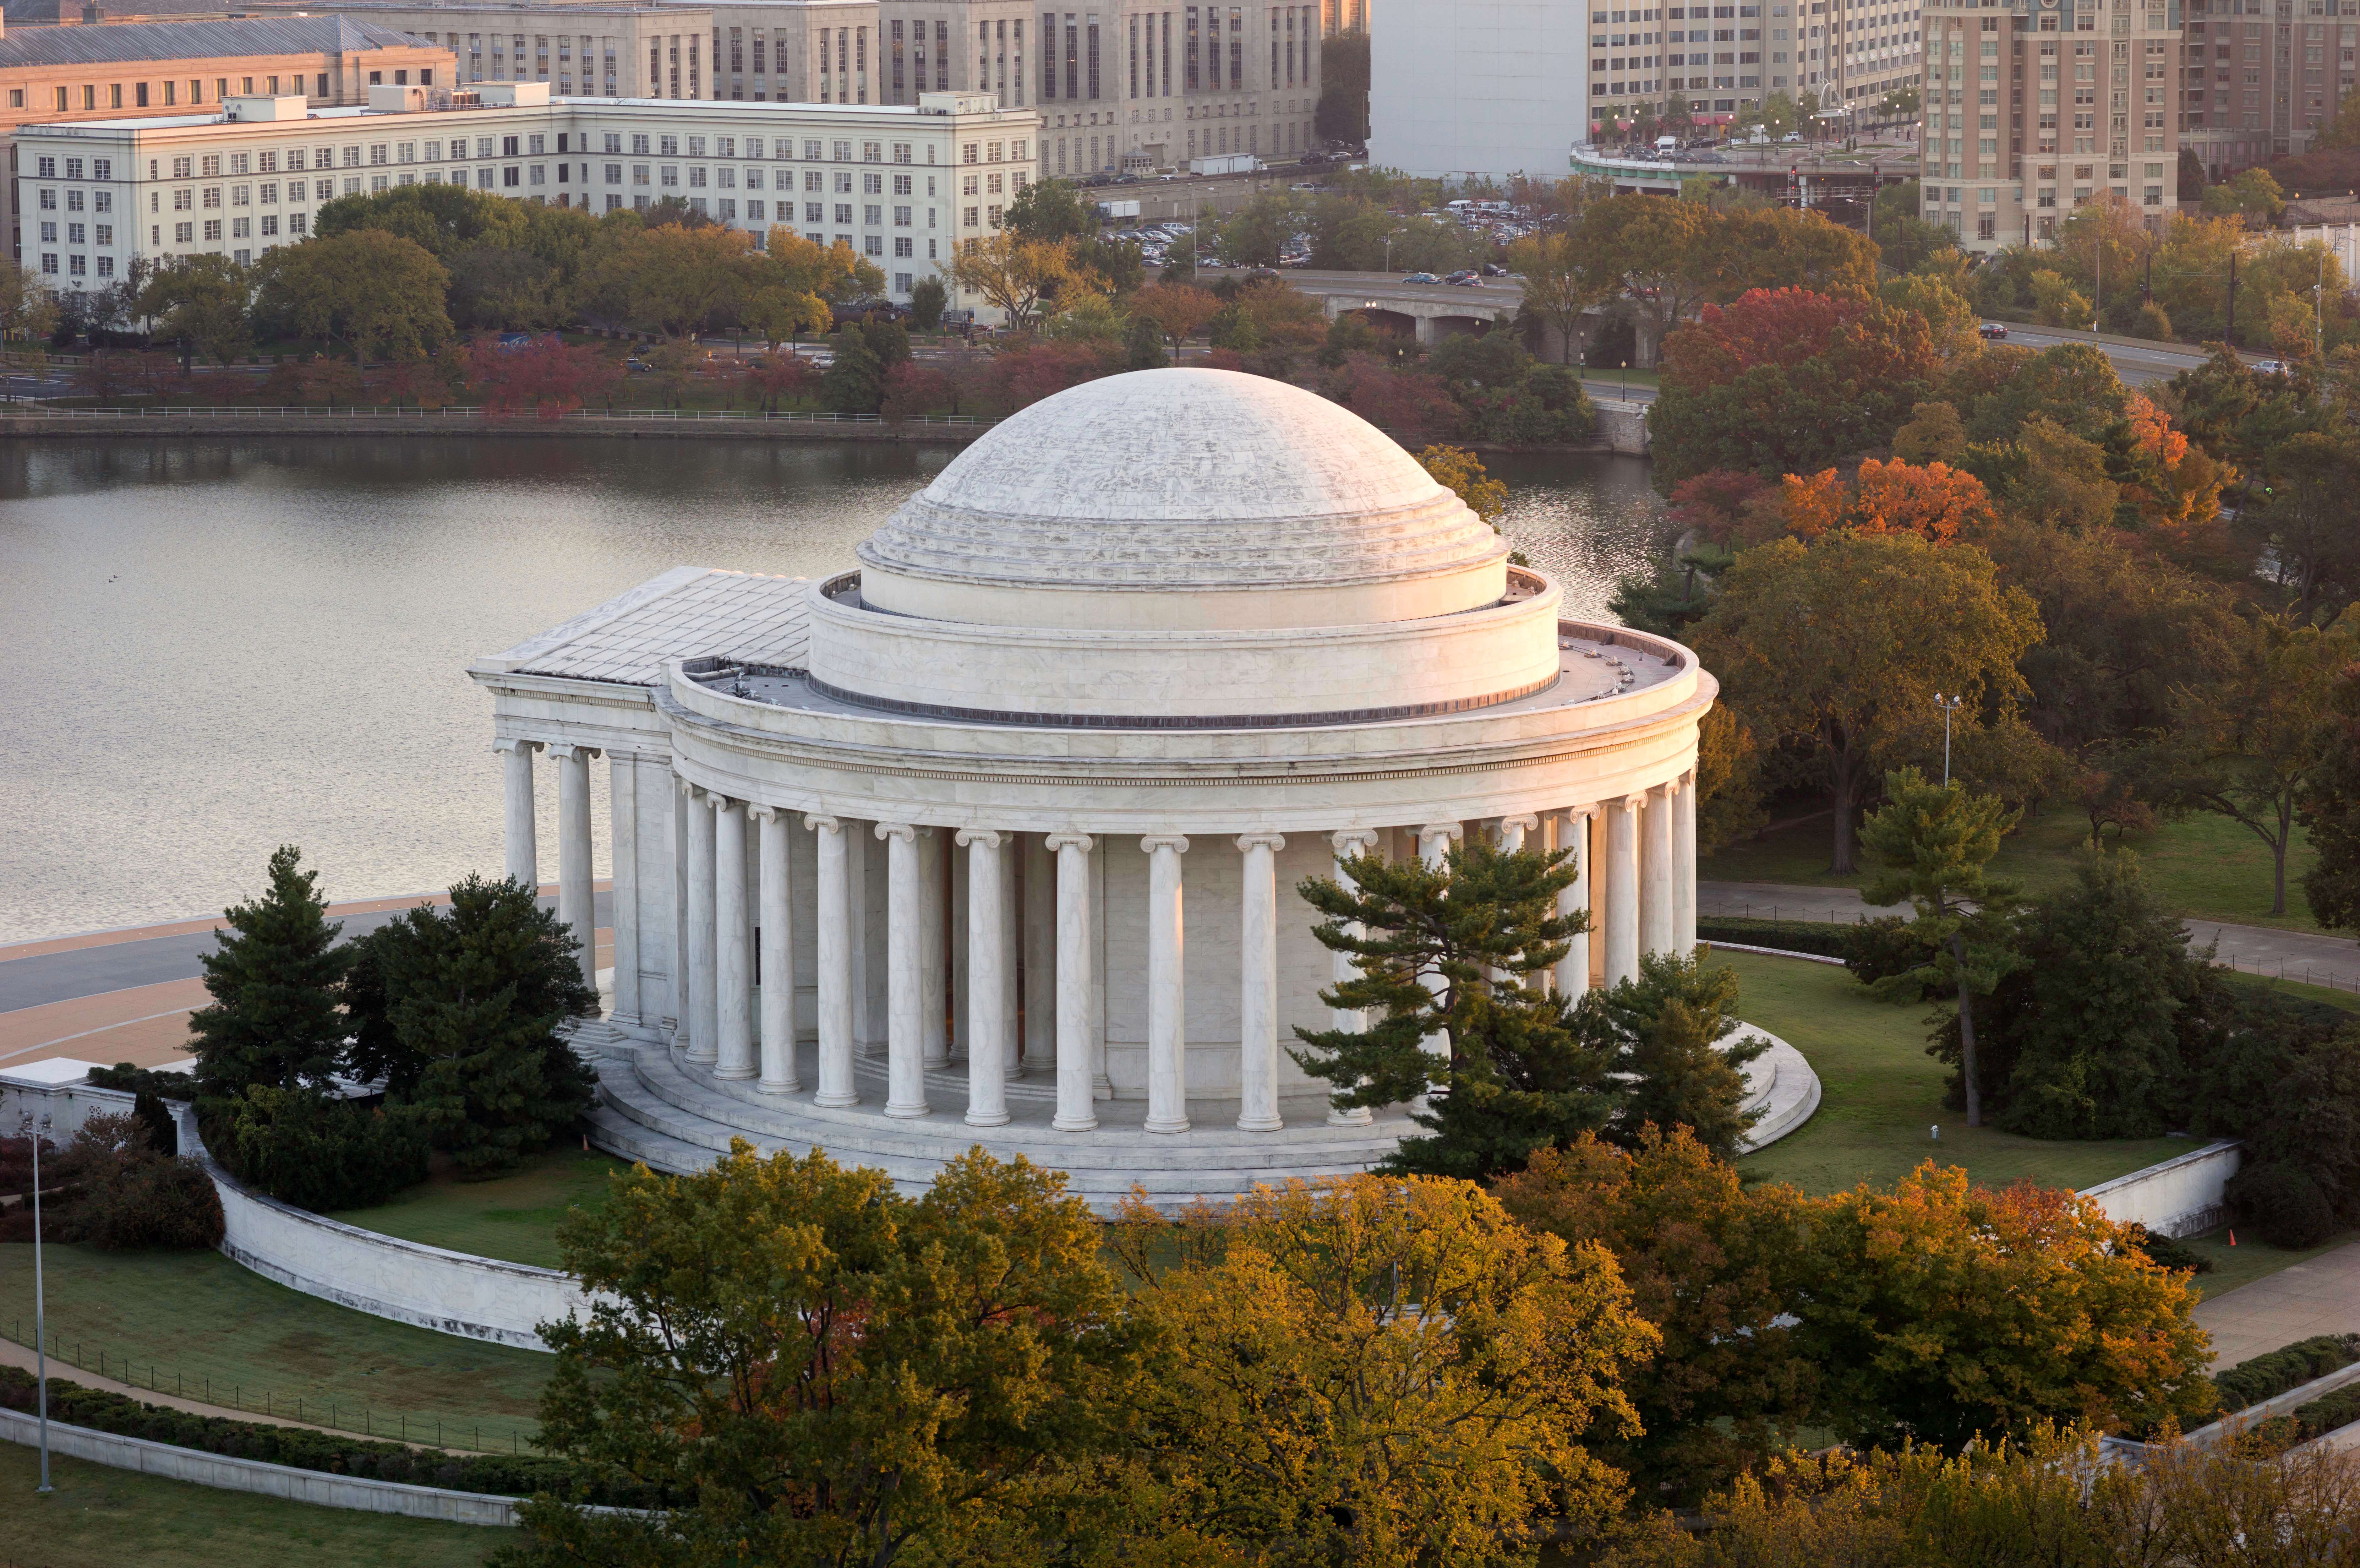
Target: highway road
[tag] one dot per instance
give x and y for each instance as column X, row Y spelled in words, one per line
column 2136, row 364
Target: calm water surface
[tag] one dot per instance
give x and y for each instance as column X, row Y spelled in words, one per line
column 215, row 648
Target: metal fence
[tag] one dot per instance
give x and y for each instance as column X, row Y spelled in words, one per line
column 371, row 411
column 463, row 1436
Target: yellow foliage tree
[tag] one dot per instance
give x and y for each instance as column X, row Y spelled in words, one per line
column 1461, row 472
column 1019, row 277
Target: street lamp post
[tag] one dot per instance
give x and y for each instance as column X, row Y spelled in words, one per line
column 1949, row 705
column 34, row 1130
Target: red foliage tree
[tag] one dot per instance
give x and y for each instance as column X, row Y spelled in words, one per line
column 1413, row 406
column 780, row 377
column 912, row 390
column 545, row 377
column 1022, row 376
column 1763, row 326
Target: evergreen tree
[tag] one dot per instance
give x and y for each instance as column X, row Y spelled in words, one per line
column 854, row 382
column 1143, row 345
column 273, row 977
column 473, row 997
column 1935, row 840
column 1664, row 1032
column 1481, row 926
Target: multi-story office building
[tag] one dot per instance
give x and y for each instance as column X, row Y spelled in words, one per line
column 2258, row 78
column 2032, row 112
column 67, row 73
column 901, row 185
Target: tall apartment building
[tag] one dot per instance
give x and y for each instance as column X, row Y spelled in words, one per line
column 2258, row 78
column 2032, row 112
column 901, row 185
column 65, row 73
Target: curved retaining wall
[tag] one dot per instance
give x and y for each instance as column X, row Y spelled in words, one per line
column 229, row 1475
column 450, row 1292
column 2178, row 1197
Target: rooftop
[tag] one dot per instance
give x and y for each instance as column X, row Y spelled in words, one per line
column 689, row 612
column 359, row 112
column 134, row 41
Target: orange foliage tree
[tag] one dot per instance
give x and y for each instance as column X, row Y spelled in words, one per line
column 1933, row 500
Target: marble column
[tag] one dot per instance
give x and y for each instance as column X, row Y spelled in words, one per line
column 684, row 1010
column 854, row 844
column 1513, row 839
column 905, row 981
column 931, row 907
column 1684, row 858
column 703, row 1018
column 777, row 945
column 1258, row 985
column 1572, row 977
column 1075, row 1031
column 1011, row 918
column 623, row 831
column 1167, row 996
column 732, row 946
column 1347, row 842
column 838, row 939
column 1655, row 871
column 1622, row 889
column 516, row 816
column 1434, row 841
column 987, row 958
column 1040, row 901
column 577, row 903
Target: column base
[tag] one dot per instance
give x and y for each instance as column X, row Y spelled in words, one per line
column 835, row 1102
column 987, row 1119
column 1078, row 1124
column 696, row 1058
column 767, row 1087
column 919, row 1110
column 1359, row 1116
column 1172, row 1125
column 734, row 1075
column 1273, row 1124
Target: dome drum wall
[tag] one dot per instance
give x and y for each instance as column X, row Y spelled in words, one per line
column 1325, row 673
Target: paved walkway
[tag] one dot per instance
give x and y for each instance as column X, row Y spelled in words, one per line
column 2307, row 956
column 14, row 1355
column 2322, row 1296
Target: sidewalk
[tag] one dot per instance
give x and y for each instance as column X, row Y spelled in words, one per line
column 14, row 1355
column 2322, row 1296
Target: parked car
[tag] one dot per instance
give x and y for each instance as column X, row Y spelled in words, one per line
column 1493, row 269
column 1421, row 278
column 2270, row 367
column 1994, row 330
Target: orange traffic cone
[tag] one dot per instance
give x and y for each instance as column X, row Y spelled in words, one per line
column 2233, row 1235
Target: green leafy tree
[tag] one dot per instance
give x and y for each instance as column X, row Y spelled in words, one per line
column 274, row 1017
column 854, row 382
column 27, row 310
column 1932, row 842
column 827, row 1372
column 444, row 219
column 207, row 300
column 1666, row 1031
column 1342, row 112
column 928, row 299
column 379, row 295
column 1050, row 211
column 1445, row 955
column 2249, row 193
column 316, row 1150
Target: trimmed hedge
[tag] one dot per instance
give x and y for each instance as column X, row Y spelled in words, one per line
column 2266, row 1377
column 1827, row 939
column 2330, row 1413
column 303, row 1448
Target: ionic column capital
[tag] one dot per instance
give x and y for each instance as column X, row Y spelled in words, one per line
column 511, row 742
column 1580, row 813
column 1270, row 840
column 1529, row 822
column 990, row 838
column 720, row 803
column 822, row 823
column 1630, row 803
column 1070, row 838
column 903, row 830
column 563, row 751
column 1150, row 842
column 1348, row 842
column 1452, row 831
column 768, row 813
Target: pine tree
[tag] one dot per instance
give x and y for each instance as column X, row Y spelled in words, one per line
column 1665, row 1032
column 274, row 978
column 1484, row 923
column 473, row 997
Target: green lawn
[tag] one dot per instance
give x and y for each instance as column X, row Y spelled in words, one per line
column 197, row 1324
column 1880, row 1093
column 103, row 1518
column 512, row 1216
column 2206, row 866
column 2249, row 1260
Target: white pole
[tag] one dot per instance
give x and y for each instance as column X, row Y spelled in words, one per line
column 40, row 1319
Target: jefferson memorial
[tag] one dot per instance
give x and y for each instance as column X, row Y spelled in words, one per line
column 993, row 837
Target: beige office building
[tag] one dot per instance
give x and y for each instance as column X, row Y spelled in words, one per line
column 2258, row 80
column 2031, row 112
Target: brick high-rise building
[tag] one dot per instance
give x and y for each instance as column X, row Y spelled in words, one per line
column 2259, row 77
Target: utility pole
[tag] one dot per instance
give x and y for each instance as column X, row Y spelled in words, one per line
column 2230, row 335
column 33, row 1131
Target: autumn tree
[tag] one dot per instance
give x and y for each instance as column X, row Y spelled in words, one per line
column 379, row 294
column 1710, row 1262
column 1936, row 501
column 1019, row 276
column 1658, row 253
column 205, row 300
column 821, row 1370
column 1940, row 1311
column 546, row 379
column 26, row 309
column 1178, row 309
column 1383, row 1370
column 1461, row 472
column 1558, row 286
column 1839, row 648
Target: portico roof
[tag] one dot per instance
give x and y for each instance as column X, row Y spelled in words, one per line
column 691, row 611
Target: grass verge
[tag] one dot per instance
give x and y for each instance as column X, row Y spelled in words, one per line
column 512, row 1217
column 196, row 1325
column 103, row 1518
column 2251, row 1258
column 2207, row 867
column 1880, row 1093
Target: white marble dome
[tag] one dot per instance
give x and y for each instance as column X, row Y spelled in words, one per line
column 1184, row 499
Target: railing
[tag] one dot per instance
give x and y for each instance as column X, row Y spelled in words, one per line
column 372, row 411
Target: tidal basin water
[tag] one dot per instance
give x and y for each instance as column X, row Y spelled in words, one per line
column 213, row 646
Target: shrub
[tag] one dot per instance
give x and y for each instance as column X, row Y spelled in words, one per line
column 2165, row 1252
column 1884, row 949
column 1787, row 936
column 303, row 1448
column 2281, row 1200
column 2267, row 1376
column 160, row 1203
column 304, row 1149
